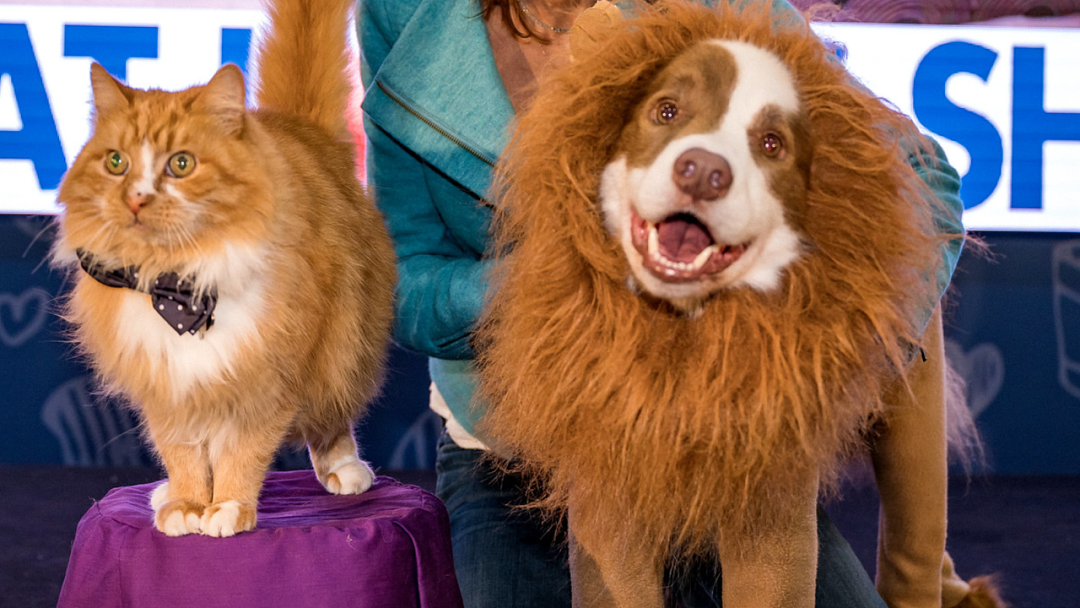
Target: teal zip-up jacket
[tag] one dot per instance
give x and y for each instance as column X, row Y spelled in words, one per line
column 437, row 117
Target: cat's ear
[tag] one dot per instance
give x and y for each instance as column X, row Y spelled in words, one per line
column 224, row 98
column 109, row 94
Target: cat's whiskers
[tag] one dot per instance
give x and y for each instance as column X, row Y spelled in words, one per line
column 188, row 244
column 98, row 241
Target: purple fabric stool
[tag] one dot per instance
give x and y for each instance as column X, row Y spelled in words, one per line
column 386, row 548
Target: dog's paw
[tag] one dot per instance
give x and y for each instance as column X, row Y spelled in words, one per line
column 176, row 517
column 354, row 477
column 228, row 519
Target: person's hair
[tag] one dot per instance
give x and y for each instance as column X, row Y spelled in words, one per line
column 508, row 6
column 524, row 31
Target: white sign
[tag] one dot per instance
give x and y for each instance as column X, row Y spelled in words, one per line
column 45, row 78
column 1003, row 102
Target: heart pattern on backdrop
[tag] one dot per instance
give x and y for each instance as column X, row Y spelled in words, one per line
column 983, row 371
column 22, row 316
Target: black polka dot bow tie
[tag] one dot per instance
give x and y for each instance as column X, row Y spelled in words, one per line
column 174, row 299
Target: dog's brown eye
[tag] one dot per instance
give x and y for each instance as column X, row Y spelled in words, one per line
column 772, row 144
column 665, row 112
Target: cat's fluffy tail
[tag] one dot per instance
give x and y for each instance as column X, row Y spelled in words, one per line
column 302, row 62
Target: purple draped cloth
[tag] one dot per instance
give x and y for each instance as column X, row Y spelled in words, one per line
column 386, row 548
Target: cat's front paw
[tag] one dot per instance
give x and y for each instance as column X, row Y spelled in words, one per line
column 179, row 517
column 175, row 517
column 354, row 477
column 228, row 519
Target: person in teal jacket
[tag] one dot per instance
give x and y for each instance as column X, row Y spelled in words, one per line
column 438, row 111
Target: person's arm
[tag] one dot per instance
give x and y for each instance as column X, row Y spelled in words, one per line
column 932, row 166
column 440, row 286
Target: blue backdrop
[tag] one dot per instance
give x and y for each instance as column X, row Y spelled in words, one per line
column 1014, row 333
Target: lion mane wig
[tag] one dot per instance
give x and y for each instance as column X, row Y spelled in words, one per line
column 690, row 425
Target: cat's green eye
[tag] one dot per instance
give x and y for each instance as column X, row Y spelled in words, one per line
column 180, row 164
column 116, row 163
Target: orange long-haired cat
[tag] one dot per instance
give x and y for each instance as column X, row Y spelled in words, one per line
column 232, row 280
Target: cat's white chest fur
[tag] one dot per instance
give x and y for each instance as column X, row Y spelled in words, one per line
column 186, row 361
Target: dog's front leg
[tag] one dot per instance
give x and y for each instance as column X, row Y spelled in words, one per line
column 911, row 471
column 774, row 566
column 612, row 572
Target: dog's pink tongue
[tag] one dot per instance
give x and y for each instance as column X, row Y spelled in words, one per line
column 682, row 240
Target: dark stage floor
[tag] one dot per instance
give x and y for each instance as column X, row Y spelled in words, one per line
column 1025, row 529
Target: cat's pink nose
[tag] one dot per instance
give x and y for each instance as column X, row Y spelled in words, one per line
column 136, row 201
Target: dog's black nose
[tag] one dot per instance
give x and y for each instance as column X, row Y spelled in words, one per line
column 702, row 174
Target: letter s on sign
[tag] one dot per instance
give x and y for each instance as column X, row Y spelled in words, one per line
column 971, row 130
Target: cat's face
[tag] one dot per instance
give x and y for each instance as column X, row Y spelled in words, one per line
column 165, row 177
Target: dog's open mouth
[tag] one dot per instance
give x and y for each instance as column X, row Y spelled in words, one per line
column 680, row 249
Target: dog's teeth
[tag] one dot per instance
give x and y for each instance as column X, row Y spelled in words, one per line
column 704, row 256
column 698, row 262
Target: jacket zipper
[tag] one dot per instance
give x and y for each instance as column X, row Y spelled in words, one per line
column 438, row 129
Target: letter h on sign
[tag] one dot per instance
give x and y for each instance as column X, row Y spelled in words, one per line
column 1033, row 126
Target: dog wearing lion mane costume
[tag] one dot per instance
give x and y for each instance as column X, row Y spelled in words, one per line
column 681, row 386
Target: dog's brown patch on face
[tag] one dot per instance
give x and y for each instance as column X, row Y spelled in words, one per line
column 698, row 84
column 780, row 145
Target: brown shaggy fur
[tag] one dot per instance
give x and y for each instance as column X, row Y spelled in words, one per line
column 679, row 423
